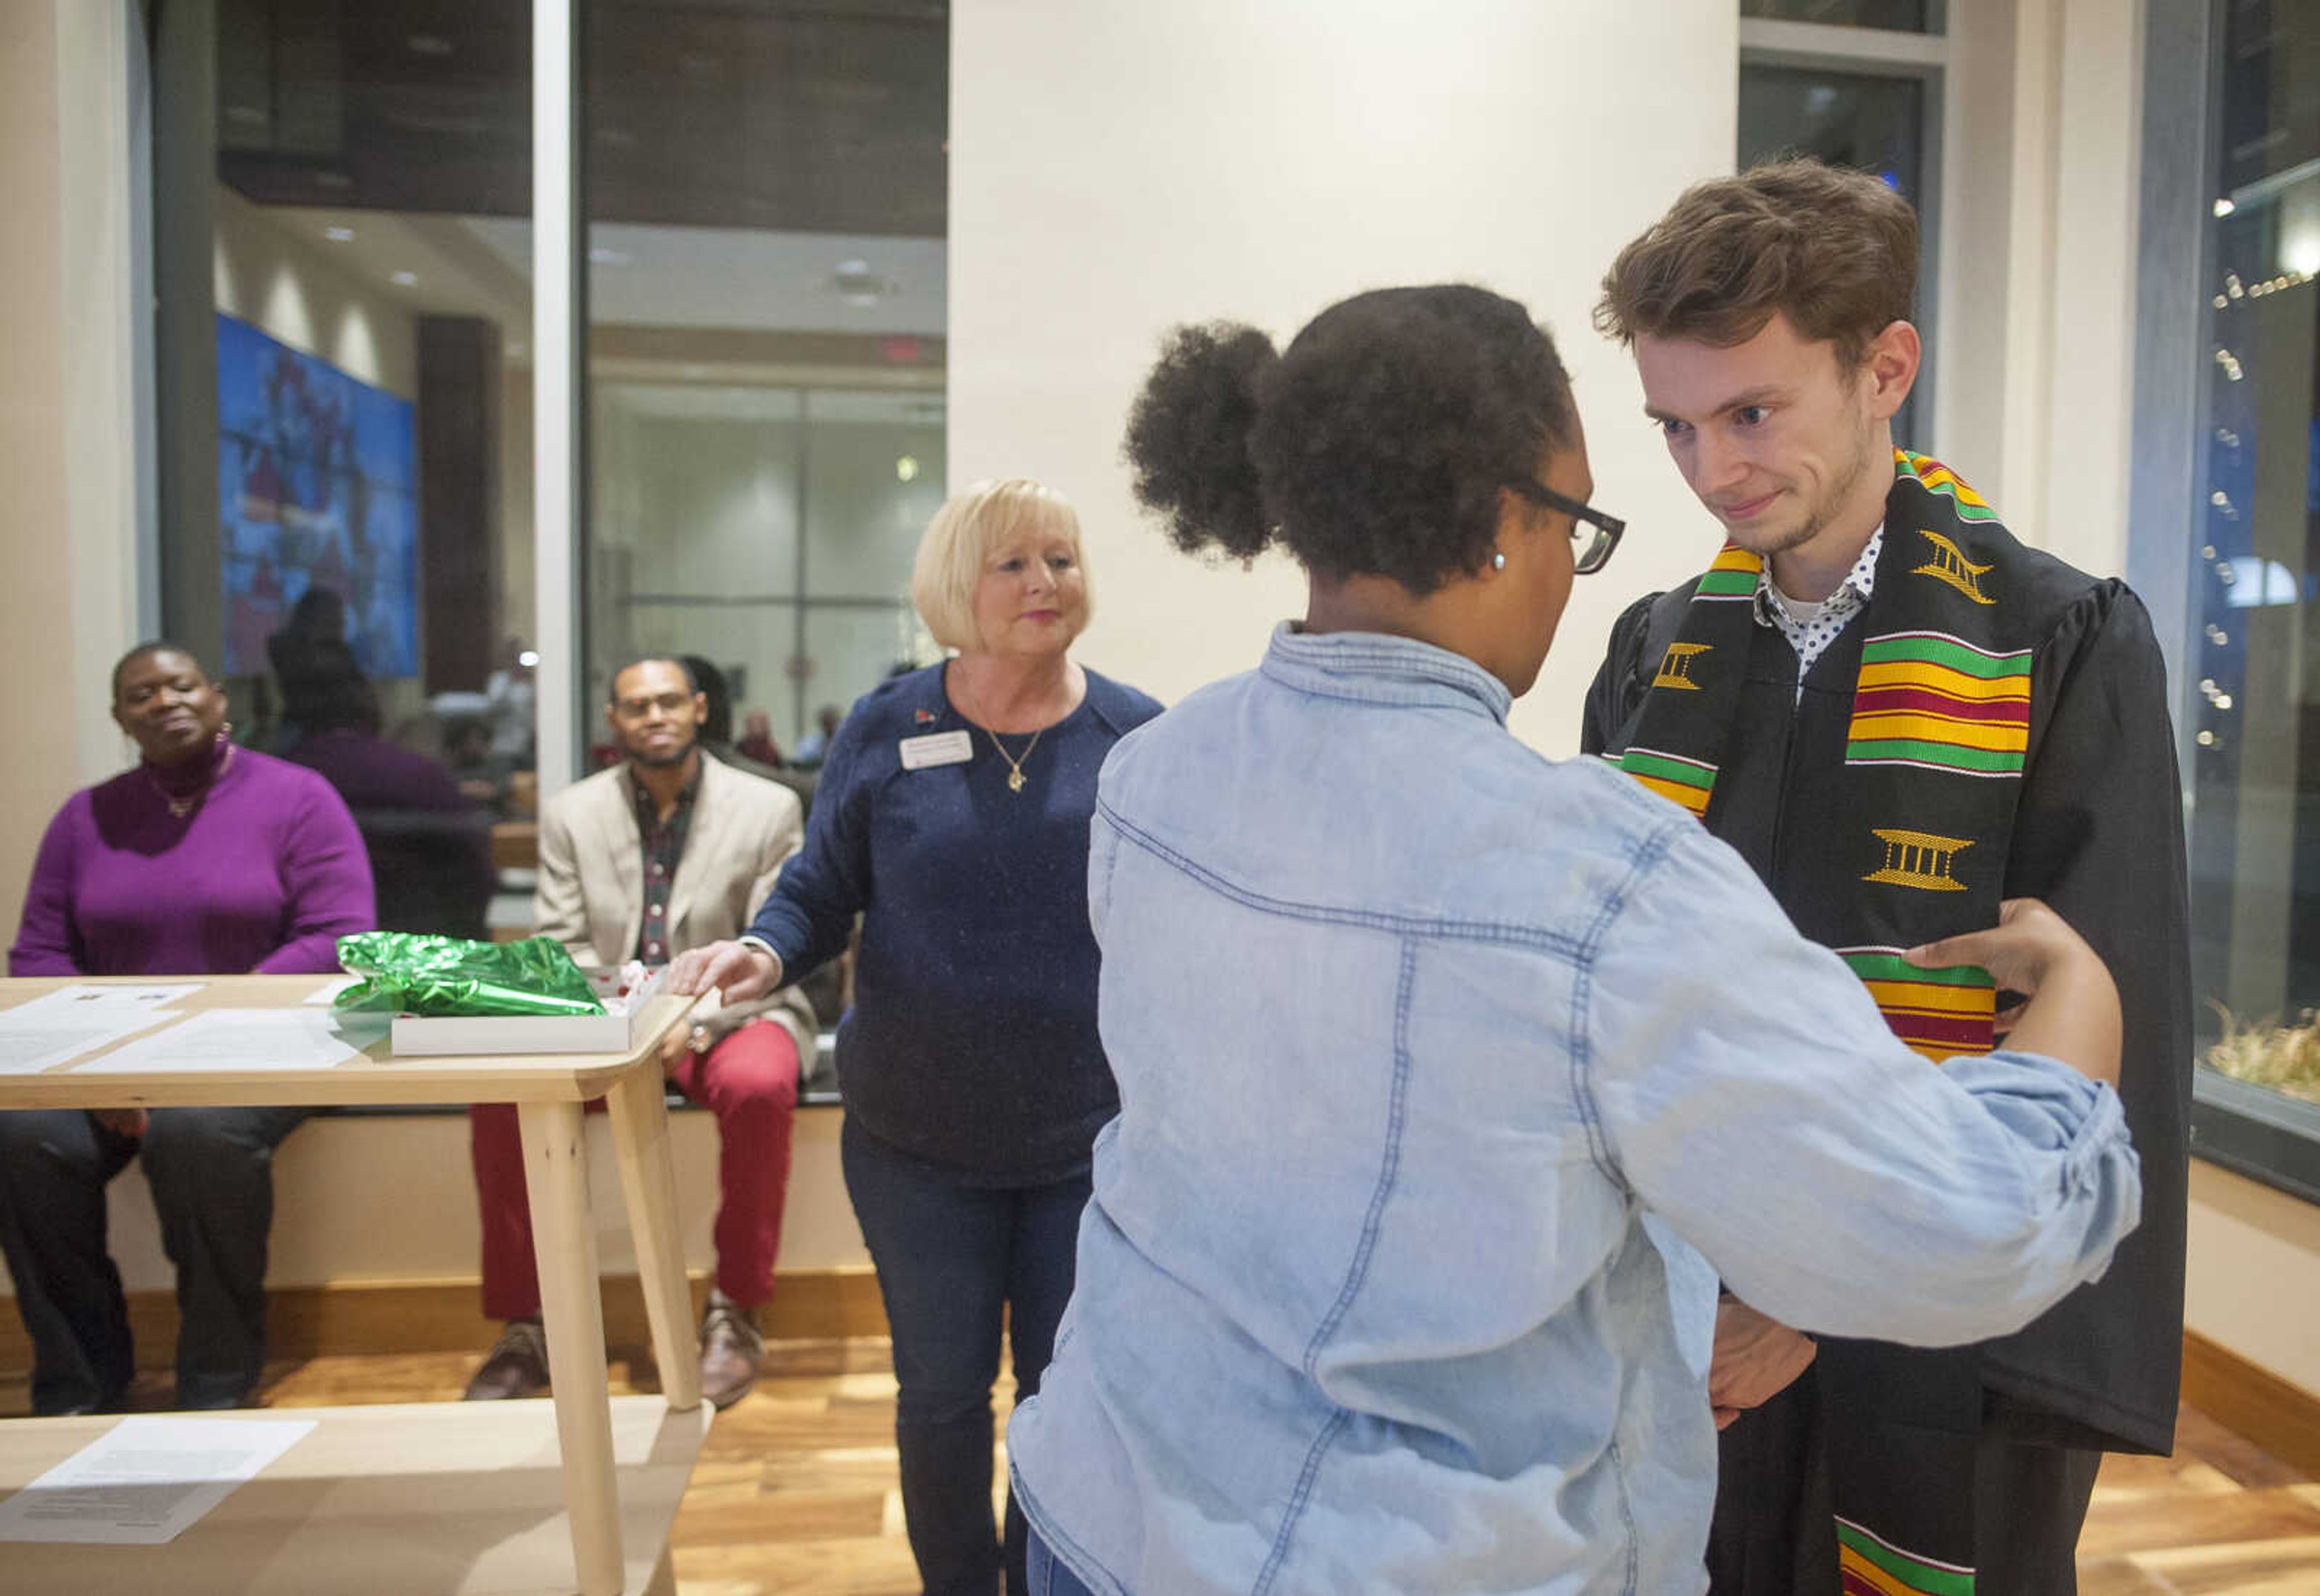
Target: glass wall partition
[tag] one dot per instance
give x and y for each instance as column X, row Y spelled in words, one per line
column 344, row 413
column 766, row 215
column 2250, row 698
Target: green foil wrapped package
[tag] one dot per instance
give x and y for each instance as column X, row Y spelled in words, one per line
column 405, row 972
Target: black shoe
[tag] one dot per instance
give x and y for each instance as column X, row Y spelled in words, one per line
column 517, row 1366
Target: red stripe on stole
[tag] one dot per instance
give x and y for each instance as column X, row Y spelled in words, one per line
column 1930, row 1028
column 1854, row 1585
column 1887, row 701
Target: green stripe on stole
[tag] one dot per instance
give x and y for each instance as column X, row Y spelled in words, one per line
column 1957, row 800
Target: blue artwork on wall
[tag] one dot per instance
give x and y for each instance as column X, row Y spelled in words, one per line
column 317, row 488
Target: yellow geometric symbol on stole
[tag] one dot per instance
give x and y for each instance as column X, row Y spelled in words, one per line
column 1676, row 663
column 1950, row 565
column 1919, row 859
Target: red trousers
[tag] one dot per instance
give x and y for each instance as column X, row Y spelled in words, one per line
column 749, row 1081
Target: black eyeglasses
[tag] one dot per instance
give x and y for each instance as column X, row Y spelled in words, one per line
column 1595, row 553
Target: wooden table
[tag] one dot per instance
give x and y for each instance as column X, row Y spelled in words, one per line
column 549, row 1092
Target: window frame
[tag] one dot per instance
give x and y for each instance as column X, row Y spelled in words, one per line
column 1927, row 59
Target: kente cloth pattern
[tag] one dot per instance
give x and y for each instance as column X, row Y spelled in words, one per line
column 1934, row 755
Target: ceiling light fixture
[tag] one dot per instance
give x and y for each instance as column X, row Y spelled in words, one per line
column 405, row 279
column 340, row 235
column 601, row 255
column 858, row 285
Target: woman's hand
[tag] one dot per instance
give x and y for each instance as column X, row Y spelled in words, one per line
column 1756, row 1358
column 738, row 971
column 2073, row 1013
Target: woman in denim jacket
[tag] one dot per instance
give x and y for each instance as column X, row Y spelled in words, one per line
column 1401, row 1264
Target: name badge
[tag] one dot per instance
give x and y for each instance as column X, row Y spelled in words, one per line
column 936, row 747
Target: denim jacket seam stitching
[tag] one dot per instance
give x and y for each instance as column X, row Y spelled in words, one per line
column 1298, row 1497
column 1389, row 1168
column 1537, row 938
column 1649, row 851
column 1357, row 1271
column 1633, row 1547
column 1414, row 697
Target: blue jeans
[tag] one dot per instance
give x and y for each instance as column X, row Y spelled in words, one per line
column 1044, row 1575
column 954, row 1261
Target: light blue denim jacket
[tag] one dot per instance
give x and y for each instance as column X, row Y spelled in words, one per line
column 1437, row 1060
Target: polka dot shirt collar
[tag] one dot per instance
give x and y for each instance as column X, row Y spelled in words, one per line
column 1811, row 638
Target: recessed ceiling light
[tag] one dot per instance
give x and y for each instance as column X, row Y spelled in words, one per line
column 602, row 255
column 340, row 235
column 403, row 279
column 852, row 269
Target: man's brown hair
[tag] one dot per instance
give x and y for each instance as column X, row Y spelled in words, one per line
column 1833, row 251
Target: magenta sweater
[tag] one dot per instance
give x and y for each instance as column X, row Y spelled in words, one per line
column 266, row 875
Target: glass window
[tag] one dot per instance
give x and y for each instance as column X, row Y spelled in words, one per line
column 344, row 415
column 766, row 218
column 1908, row 16
column 1872, row 121
column 2252, row 698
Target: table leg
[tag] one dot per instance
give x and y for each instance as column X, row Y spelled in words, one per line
column 648, row 1182
column 555, row 1172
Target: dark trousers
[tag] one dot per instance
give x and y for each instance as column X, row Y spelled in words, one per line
column 1894, row 1443
column 1045, row 1576
column 212, row 1173
column 953, row 1262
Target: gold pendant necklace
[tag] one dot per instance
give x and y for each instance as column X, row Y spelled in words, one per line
column 1015, row 765
column 180, row 807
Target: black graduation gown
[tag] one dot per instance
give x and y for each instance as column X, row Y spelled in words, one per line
column 2097, row 835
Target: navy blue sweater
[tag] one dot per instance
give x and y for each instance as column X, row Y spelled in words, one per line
column 971, row 1043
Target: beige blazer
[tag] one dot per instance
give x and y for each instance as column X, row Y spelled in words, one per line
column 591, row 895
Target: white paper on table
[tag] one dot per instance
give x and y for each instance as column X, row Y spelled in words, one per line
column 146, row 1481
column 87, row 997
column 37, row 1042
column 328, row 990
column 233, row 1039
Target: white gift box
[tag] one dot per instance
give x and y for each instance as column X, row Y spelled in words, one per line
column 619, row 1030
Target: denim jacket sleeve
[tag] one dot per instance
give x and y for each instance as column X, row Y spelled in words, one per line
column 1741, row 1083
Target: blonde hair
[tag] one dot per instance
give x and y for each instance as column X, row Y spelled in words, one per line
column 971, row 523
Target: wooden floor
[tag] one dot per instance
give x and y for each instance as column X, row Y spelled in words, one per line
column 795, row 1490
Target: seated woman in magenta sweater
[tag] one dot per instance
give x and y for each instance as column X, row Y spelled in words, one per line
column 205, row 859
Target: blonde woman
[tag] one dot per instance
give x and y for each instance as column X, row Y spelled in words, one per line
column 953, row 815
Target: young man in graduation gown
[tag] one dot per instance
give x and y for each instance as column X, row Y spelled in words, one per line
column 1901, row 716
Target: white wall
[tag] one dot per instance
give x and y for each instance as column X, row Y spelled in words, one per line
column 1217, row 158
column 291, row 290
column 2252, row 1273
column 2067, row 386
column 68, row 403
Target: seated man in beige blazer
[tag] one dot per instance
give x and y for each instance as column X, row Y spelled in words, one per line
column 667, row 851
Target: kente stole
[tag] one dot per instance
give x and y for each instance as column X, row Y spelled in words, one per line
column 1932, row 766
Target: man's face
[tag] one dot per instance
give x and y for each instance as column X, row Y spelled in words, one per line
column 654, row 717
column 1773, row 435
